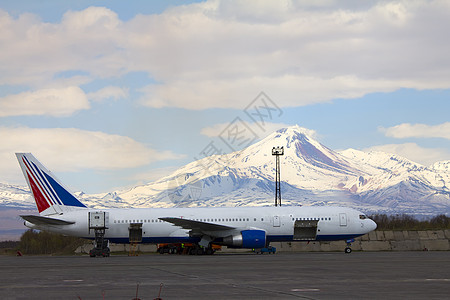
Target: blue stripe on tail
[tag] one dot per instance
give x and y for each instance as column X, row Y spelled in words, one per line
column 66, row 197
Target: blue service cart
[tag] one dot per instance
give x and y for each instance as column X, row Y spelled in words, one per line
column 269, row 250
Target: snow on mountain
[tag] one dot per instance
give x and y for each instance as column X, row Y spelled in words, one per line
column 400, row 184
column 15, row 196
column 311, row 174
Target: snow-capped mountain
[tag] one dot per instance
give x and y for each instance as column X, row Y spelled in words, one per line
column 311, row 174
column 15, row 196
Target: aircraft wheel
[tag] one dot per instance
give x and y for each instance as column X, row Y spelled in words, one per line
column 348, row 250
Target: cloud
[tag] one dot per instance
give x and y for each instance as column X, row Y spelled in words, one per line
column 35, row 52
column 70, row 150
column 54, row 102
column 220, row 53
column 286, row 91
column 412, row 151
column 217, row 129
column 109, row 92
column 152, row 175
column 268, row 128
column 407, row 130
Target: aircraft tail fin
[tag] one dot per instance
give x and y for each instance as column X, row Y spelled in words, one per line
column 49, row 193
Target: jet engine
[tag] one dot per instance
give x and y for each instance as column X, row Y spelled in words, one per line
column 251, row 239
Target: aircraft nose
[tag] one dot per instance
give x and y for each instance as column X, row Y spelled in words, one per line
column 372, row 225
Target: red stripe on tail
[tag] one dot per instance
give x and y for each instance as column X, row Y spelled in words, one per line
column 41, row 203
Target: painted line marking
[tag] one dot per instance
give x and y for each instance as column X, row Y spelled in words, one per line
column 437, row 279
column 305, row 290
column 73, row 280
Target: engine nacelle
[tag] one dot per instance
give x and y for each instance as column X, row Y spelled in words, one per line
column 251, row 239
column 29, row 225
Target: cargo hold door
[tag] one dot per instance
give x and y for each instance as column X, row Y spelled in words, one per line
column 305, row 230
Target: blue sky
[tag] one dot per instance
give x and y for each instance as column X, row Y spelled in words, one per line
column 109, row 94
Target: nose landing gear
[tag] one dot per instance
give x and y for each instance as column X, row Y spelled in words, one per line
column 349, row 244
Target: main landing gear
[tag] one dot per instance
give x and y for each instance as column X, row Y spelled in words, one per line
column 349, row 244
column 101, row 245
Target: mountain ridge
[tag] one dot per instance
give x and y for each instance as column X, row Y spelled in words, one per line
column 311, row 174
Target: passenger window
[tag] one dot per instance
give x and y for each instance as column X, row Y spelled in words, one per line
column 255, row 219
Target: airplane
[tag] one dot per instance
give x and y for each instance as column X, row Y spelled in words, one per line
column 236, row 227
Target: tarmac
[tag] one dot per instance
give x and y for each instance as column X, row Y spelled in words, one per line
column 320, row 275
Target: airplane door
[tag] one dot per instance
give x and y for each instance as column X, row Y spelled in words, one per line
column 276, row 221
column 135, row 232
column 343, row 219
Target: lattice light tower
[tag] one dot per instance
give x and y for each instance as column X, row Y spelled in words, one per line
column 277, row 151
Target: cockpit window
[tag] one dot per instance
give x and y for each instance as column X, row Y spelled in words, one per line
column 362, row 217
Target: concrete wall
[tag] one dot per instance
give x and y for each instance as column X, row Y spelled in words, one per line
column 436, row 240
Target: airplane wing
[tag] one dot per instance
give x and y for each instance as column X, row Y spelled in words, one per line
column 38, row 220
column 196, row 225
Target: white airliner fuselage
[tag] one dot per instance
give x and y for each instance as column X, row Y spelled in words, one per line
column 242, row 227
column 333, row 223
